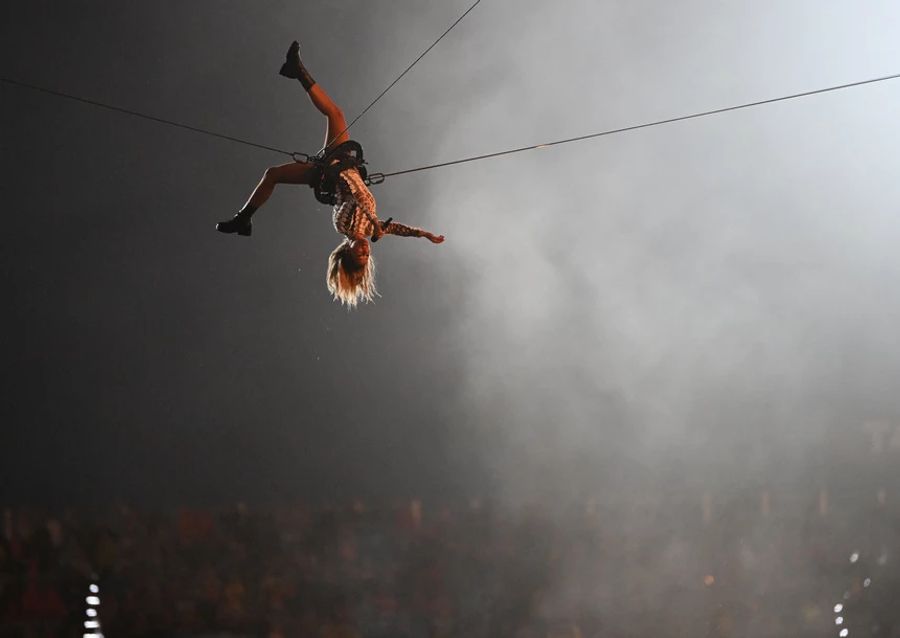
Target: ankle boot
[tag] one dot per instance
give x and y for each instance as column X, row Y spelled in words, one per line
column 239, row 224
column 293, row 68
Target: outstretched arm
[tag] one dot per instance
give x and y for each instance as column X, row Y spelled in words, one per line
column 402, row 230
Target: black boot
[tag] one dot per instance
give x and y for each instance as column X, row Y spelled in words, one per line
column 239, row 224
column 293, row 68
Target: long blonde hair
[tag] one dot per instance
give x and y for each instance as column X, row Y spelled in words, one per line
column 347, row 281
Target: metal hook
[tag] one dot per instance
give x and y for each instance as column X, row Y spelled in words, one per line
column 297, row 156
column 375, row 178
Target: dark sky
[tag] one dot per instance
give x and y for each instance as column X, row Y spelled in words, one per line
column 718, row 295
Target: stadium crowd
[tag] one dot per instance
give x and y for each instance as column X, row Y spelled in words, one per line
column 759, row 564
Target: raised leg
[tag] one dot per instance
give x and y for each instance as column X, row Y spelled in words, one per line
column 336, row 131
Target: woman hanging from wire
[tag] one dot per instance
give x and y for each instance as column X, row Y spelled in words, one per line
column 351, row 269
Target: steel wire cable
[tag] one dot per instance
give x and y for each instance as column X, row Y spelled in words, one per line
column 145, row 116
column 635, row 127
column 399, row 77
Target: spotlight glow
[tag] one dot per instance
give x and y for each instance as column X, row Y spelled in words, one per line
column 854, row 557
column 94, row 589
column 867, row 582
column 838, row 608
column 91, row 624
column 92, row 612
column 844, row 633
column 839, row 620
column 93, row 600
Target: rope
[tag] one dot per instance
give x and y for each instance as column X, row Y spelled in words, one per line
column 377, row 178
column 295, row 156
column 380, row 95
column 143, row 115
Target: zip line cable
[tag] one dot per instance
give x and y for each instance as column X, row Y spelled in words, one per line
column 380, row 95
column 380, row 176
column 377, row 178
column 229, row 137
column 143, row 115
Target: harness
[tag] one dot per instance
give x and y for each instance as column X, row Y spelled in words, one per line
column 346, row 155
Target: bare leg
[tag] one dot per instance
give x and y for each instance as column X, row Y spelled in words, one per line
column 336, row 131
column 293, row 173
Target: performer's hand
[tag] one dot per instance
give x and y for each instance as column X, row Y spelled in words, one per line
column 380, row 227
column 435, row 239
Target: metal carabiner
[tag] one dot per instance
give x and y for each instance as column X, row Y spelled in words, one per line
column 303, row 158
column 375, row 178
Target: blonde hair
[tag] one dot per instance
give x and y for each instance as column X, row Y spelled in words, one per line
column 346, row 280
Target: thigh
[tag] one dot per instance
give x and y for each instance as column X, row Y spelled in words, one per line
column 294, row 173
column 337, row 125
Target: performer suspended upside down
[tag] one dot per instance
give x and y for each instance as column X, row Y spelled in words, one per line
column 351, row 269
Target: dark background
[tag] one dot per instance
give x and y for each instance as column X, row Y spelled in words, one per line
column 149, row 357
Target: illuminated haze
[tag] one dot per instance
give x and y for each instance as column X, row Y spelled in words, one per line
column 713, row 295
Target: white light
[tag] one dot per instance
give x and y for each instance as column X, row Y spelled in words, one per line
column 839, row 620
column 854, row 557
column 93, row 600
column 91, row 624
column 838, row 608
column 94, row 589
column 844, row 633
column 867, row 582
column 91, row 612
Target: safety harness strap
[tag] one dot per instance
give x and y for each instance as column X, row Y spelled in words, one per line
column 346, row 155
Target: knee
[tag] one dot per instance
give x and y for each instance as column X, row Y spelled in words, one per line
column 272, row 175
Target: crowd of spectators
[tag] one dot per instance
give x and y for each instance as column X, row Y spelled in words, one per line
column 763, row 564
